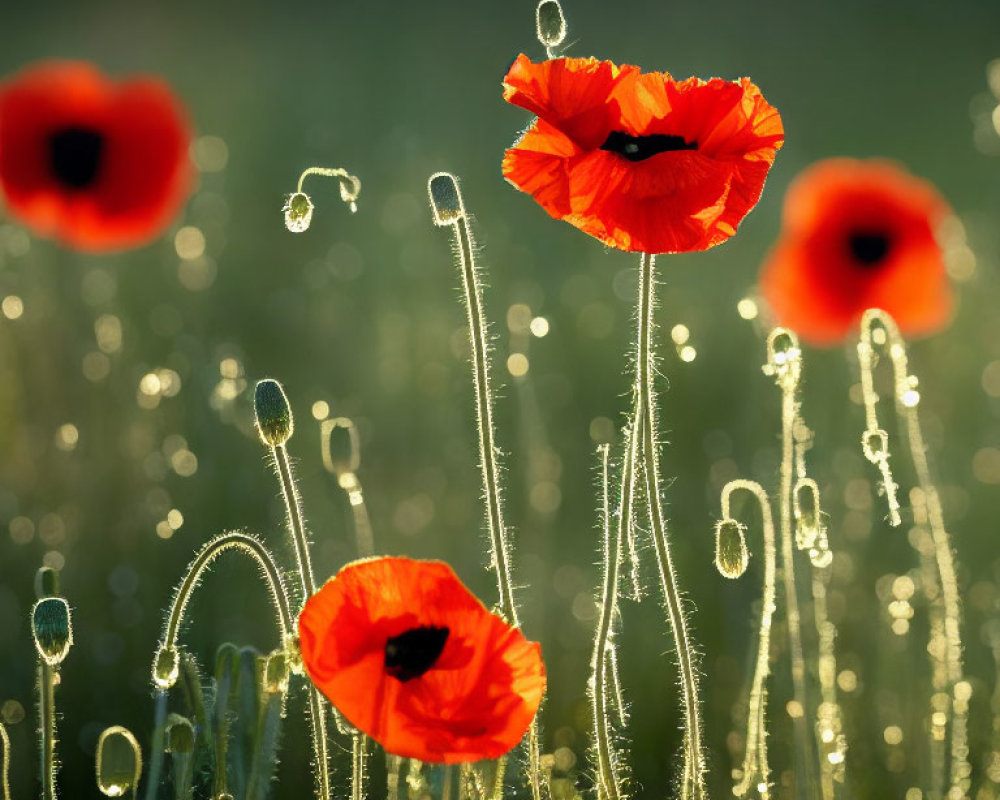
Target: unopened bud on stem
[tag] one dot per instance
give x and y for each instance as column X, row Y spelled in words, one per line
column 731, row 556
column 52, row 629
column 298, row 211
column 550, row 23
column 274, row 415
column 119, row 762
column 446, row 199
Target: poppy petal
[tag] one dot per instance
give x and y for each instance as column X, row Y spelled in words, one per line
column 476, row 699
column 858, row 235
column 98, row 165
column 641, row 161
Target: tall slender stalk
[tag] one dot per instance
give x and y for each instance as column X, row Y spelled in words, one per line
column 693, row 785
column 5, row 763
column 907, row 410
column 784, row 363
column 607, row 778
column 449, row 210
column 46, row 684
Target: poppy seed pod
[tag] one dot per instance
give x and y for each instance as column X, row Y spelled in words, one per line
column 274, row 415
column 298, row 210
column 52, row 629
column 446, row 200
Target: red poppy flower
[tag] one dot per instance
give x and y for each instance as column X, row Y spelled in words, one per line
column 95, row 164
column 858, row 235
column 409, row 656
column 640, row 161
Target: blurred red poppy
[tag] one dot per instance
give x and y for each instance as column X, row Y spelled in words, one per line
column 640, row 161
column 858, row 235
column 96, row 164
column 410, row 657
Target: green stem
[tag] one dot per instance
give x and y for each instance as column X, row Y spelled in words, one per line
column 607, row 779
column 694, row 761
column 47, row 728
column 296, row 529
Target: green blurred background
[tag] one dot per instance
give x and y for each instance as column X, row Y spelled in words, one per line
column 362, row 313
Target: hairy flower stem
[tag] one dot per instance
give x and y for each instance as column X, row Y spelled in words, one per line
column 449, row 209
column 907, row 403
column 606, row 776
column 5, row 763
column 693, row 786
column 784, row 362
column 296, row 529
column 755, row 761
column 47, row 727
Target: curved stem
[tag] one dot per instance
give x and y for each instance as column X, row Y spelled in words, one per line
column 755, row 758
column 243, row 543
column 694, row 762
column 606, row 776
column 350, row 185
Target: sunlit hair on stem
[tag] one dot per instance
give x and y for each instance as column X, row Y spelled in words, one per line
column 298, row 207
column 644, row 457
column 784, row 364
column 448, row 209
column 878, row 328
column 608, row 783
column 52, row 629
column 729, row 538
column 275, row 424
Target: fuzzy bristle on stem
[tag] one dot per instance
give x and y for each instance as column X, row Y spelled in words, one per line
column 784, row 364
column 607, row 778
column 879, row 329
column 644, row 421
column 448, row 209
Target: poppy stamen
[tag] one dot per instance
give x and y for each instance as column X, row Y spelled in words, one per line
column 413, row 652
column 639, row 148
column 75, row 156
column 869, row 248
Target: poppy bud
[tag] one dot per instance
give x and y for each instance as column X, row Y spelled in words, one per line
column 446, row 200
column 550, row 23
column 731, row 555
column 119, row 762
column 274, row 415
column 51, row 627
column 298, row 210
column 805, row 504
column 166, row 667
column 341, row 448
column 179, row 735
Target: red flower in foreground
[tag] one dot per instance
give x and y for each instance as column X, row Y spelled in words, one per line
column 858, row 235
column 414, row 660
column 95, row 164
column 640, row 161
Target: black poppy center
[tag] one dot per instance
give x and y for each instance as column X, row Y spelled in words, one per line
column 75, row 155
column 413, row 652
column 868, row 248
column 639, row 148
